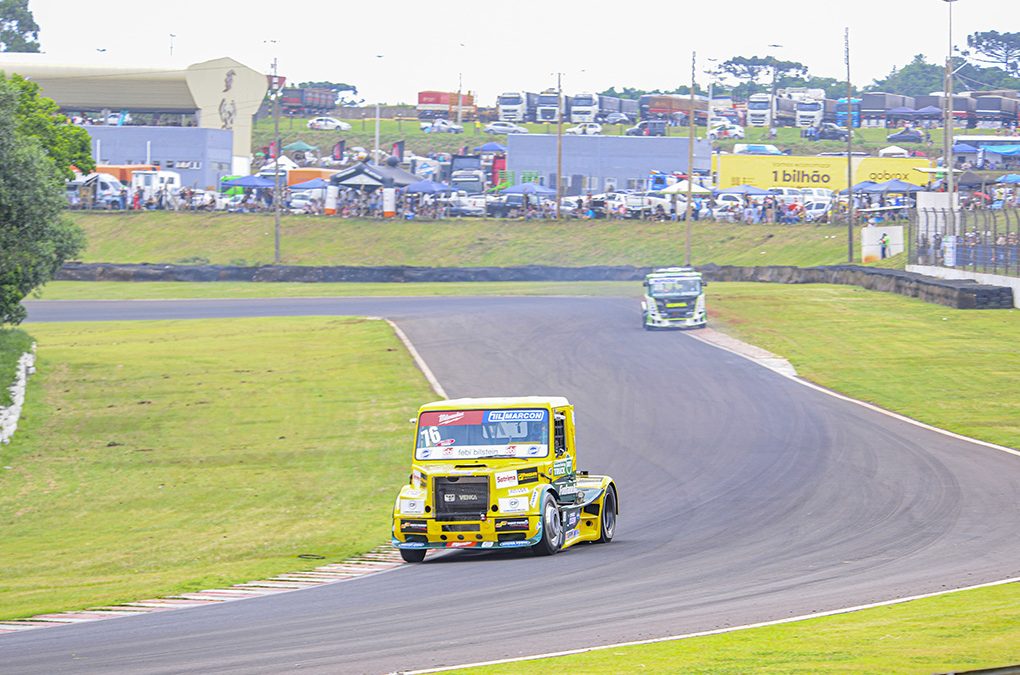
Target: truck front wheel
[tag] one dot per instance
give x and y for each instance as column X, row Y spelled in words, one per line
column 607, row 521
column 412, row 555
column 552, row 528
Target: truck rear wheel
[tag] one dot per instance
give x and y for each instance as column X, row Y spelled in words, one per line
column 412, row 555
column 607, row 520
column 552, row 528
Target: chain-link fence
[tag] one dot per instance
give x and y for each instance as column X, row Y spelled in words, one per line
column 986, row 241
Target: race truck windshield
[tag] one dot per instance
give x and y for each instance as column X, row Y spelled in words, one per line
column 665, row 288
column 478, row 434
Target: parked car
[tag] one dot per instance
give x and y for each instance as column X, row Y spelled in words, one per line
column 817, row 210
column 463, row 207
column 648, row 128
column 328, row 124
column 441, row 126
column 617, row 118
column 500, row 127
column 725, row 130
column 905, row 136
column 585, row 129
column 830, row 132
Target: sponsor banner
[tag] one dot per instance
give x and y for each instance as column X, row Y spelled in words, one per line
column 506, row 479
column 412, row 506
column 505, row 524
column 765, row 171
column 513, row 504
column 525, row 476
column 414, row 526
column 450, row 418
column 515, row 416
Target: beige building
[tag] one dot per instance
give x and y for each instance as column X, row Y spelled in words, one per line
column 221, row 93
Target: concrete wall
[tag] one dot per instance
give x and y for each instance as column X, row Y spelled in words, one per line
column 619, row 158
column 210, row 148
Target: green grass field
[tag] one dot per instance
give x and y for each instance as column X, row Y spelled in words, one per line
column 160, row 457
column 247, row 239
column 950, row 633
column 13, row 343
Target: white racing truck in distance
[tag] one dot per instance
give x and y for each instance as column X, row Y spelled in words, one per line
column 674, row 298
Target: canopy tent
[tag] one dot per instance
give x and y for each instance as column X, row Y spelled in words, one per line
column 928, row 111
column 745, row 190
column 894, row 185
column 970, row 179
column 313, row 184
column 428, row 187
column 680, row 188
column 249, row 182
column 902, row 111
column 367, row 175
column 1012, row 178
column 861, row 187
column 964, row 149
column 894, row 151
column 529, row 189
column 491, row 146
column 1004, row 150
column 298, row 146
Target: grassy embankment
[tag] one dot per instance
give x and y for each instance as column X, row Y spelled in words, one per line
column 247, row 239
column 161, row 457
column 13, row 343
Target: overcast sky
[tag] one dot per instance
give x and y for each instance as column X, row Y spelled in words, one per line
column 393, row 49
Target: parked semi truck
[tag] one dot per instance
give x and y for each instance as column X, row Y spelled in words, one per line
column 766, row 110
column 593, row 107
column 517, row 106
column 445, row 105
column 815, row 112
column 549, row 104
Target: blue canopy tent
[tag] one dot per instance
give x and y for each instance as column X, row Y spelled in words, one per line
column 902, row 111
column 861, row 187
column 895, row 185
column 313, row 184
column 964, row 149
column 529, row 189
column 745, row 190
column 1004, row 150
column 249, row 182
column 928, row 111
column 491, row 146
column 428, row 187
column 1012, row 178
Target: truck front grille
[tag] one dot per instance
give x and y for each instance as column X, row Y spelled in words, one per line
column 461, row 497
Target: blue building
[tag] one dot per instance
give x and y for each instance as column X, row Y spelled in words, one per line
column 602, row 163
column 200, row 156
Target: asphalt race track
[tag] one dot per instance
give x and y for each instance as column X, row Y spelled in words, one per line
column 744, row 497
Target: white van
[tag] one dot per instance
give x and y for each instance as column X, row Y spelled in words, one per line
column 152, row 182
column 787, row 194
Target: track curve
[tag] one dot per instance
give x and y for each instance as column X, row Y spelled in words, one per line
column 745, row 497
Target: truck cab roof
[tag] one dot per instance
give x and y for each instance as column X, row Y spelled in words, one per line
column 497, row 402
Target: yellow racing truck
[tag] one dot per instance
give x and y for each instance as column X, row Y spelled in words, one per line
column 674, row 298
column 497, row 473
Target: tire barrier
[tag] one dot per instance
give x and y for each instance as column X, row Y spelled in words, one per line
column 958, row 293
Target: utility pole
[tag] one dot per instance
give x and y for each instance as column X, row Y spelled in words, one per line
column 172, row 36
column 948, row 134
column 276, row 159
column 690, row 164
column 559, row 142
column 460, row 97
column 849, row 151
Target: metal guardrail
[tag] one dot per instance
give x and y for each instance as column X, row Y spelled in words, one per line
column 986, row 240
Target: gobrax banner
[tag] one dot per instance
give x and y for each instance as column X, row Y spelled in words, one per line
column 766, row 171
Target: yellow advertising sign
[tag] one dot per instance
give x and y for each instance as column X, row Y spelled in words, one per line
column 766, row 171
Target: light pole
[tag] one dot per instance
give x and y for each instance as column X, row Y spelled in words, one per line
column 375, row 155
column 276, row 159
column 773, row 107
column 948, row 133
column 849, row 152
column 172, row 36
column 690, row 164
column 559, row 142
